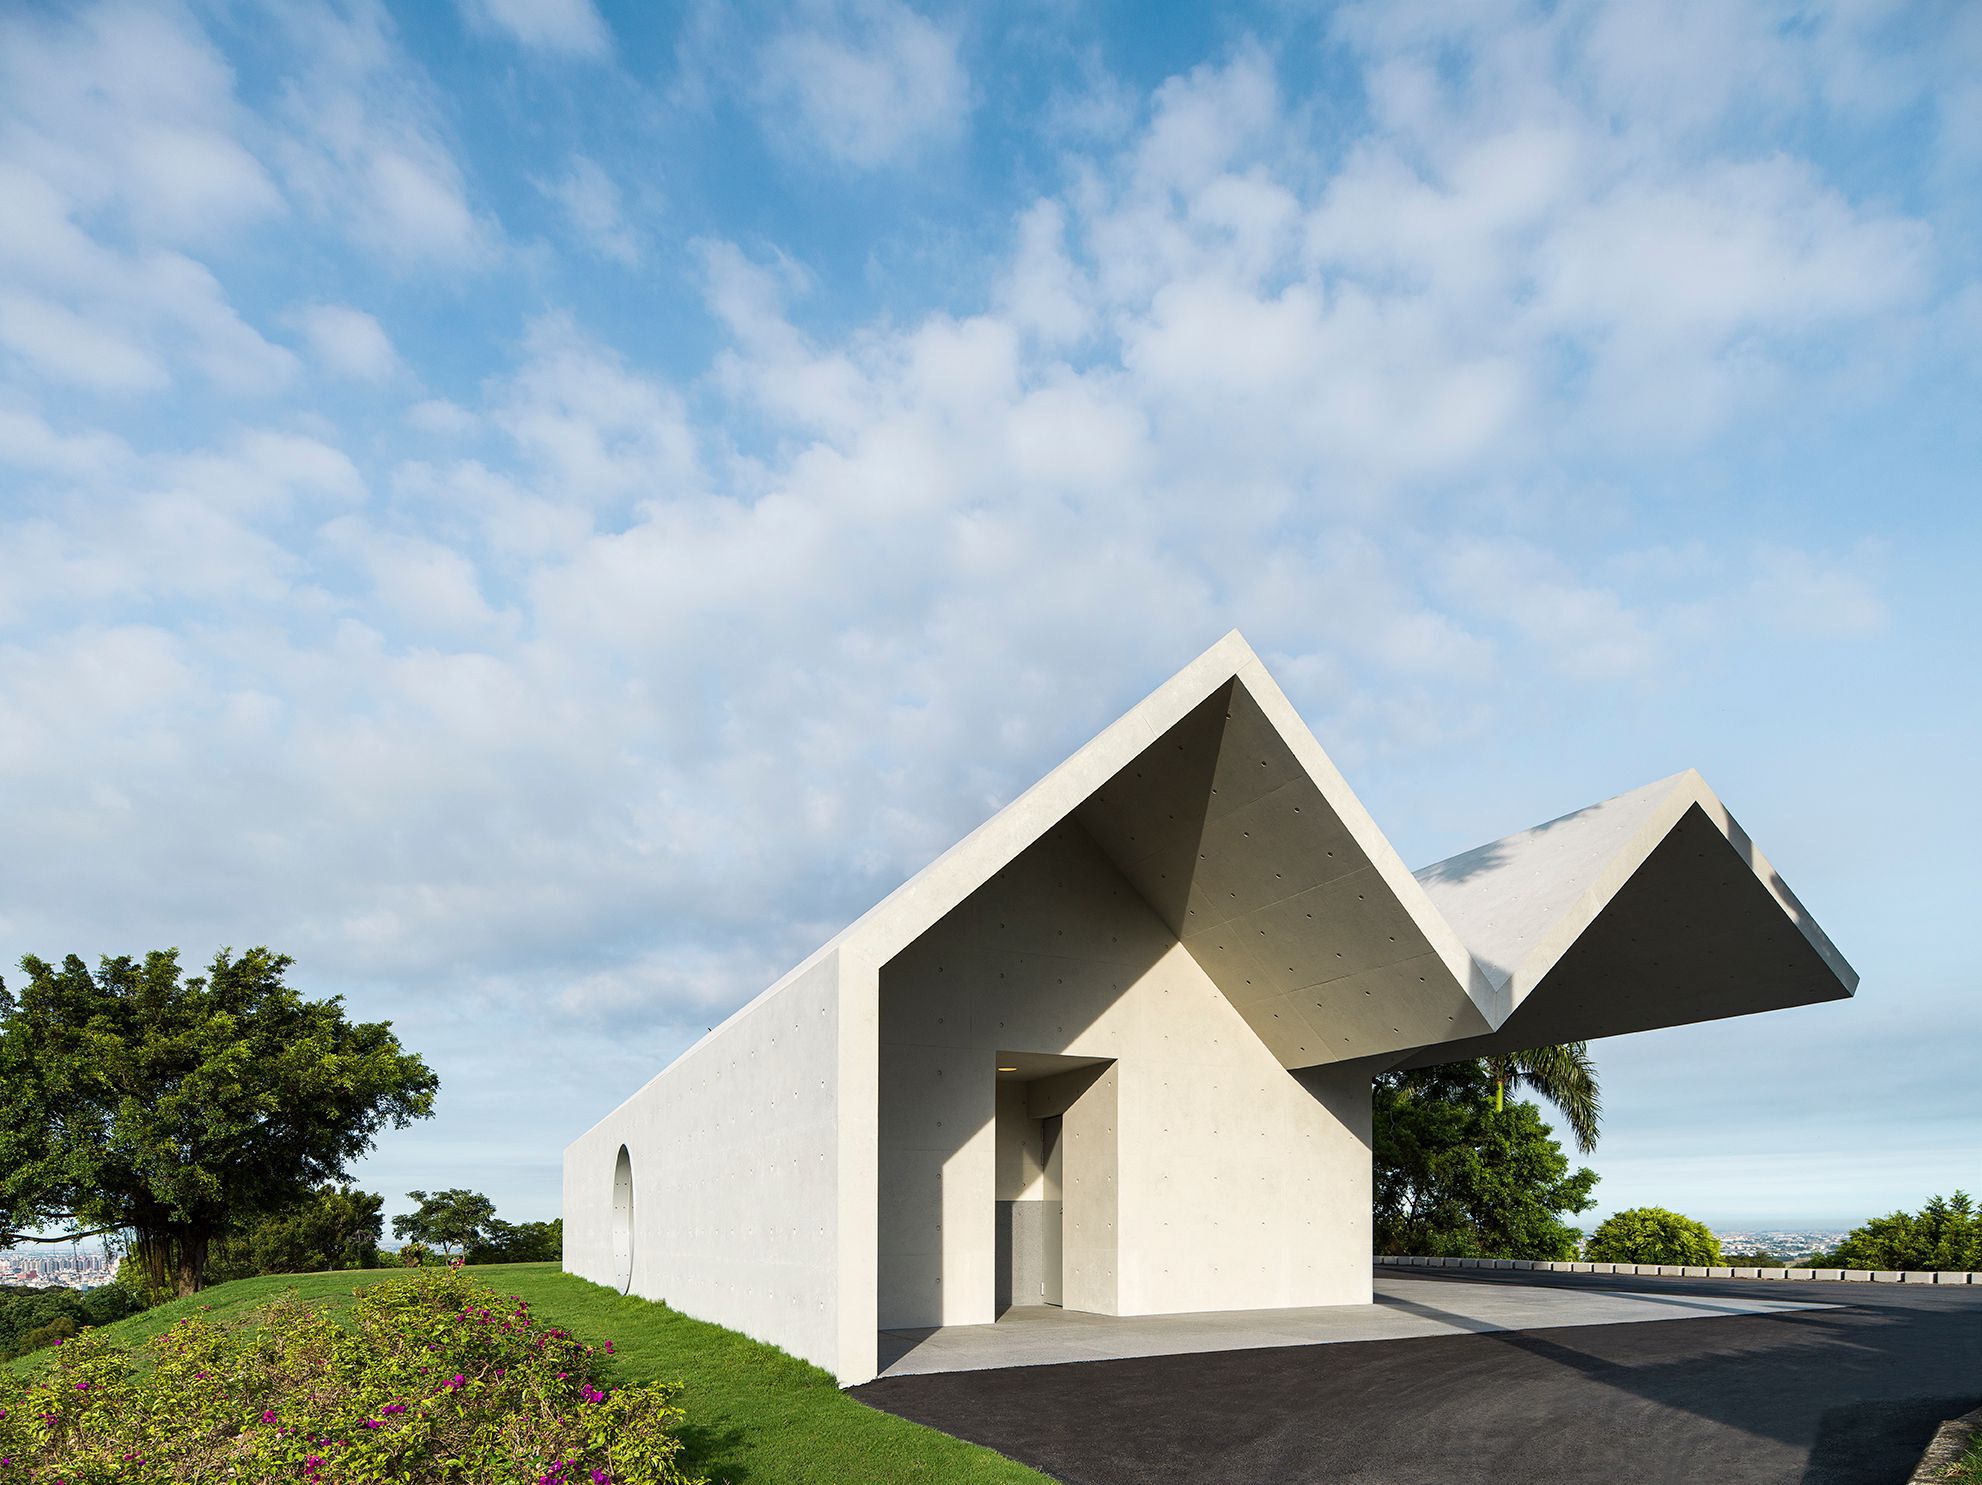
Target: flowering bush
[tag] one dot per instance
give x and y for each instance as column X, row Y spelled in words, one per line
column 438, row 1379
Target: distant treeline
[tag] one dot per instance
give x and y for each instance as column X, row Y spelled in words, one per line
column 340, row 1227
column 33, row 1318
column 1944, row 1235
column 336, row 1227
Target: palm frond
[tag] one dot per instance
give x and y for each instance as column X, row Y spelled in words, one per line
column 1565, row 1076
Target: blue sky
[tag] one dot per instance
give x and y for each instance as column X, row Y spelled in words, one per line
column 546, row 511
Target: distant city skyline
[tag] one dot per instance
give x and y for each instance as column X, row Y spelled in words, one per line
column 545, row 512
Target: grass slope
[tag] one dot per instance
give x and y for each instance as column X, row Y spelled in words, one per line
column 756, row 1415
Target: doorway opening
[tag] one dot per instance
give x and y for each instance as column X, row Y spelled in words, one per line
column 1055, row 1174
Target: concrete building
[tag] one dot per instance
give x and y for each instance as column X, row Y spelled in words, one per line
column 1113, row 1050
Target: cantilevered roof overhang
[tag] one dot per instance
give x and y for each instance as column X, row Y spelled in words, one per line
column 1650, row 909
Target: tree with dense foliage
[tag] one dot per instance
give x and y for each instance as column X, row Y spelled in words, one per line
column 520, row 1242
column 334, row 1227
column 1562, row 1075
column 136, row 1100
column 33, row 1318
column 453, row 1220
column 1945, row 1235
column 1455, row 1176
column 1652, row 1235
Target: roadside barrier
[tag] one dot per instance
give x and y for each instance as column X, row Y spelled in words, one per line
column 1677, row 1271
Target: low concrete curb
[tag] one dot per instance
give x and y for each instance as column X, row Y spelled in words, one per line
column 1950, row 1442
column 1677, row 1271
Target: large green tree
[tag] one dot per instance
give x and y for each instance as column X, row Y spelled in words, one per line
column 449, row 1220
column 1653, row 1235
column 335, row 1227
column 135, row 1099
column 1456, row 1176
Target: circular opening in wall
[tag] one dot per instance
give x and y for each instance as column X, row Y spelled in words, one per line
column 622, row 1222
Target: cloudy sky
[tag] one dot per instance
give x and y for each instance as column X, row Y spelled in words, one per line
column 545, row 510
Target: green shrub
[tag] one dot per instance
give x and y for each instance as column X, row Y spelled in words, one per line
column 1652, row 1235
column 33, row 1318
column 1944, row 1234
column 437, row 1379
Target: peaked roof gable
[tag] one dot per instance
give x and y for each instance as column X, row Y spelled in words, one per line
column 1215, row 800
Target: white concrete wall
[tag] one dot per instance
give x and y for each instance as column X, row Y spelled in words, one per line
column 1237, row 1184
column 736, row 1152
column 1020, row 1176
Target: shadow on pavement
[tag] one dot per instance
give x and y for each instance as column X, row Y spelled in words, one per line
column 1821, row 1397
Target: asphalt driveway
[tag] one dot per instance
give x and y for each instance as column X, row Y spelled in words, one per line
column 1806, row 1397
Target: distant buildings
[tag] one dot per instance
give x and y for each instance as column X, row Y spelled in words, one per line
column 1783, row 1244
column 84, row 1268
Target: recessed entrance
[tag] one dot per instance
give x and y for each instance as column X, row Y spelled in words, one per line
column 622, row 1222
column 1038, row 1094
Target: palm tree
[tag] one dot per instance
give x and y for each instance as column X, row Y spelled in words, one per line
column 1563, row 1075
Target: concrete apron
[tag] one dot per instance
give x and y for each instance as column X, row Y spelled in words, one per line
column 1403, row 1308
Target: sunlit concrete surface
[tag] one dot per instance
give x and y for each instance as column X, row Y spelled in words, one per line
column 1113, row 1049
column 1402, row 1308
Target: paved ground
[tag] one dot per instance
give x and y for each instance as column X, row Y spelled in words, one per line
column 1407, row 1305
column 1843, row 1395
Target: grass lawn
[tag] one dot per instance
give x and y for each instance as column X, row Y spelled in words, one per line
column 755, row 1414
column 1968, row 1469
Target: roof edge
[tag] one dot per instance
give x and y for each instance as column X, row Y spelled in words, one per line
column 894, row 922
column 1689, row 788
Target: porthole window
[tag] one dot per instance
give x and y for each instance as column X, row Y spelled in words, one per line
column 622, row 1222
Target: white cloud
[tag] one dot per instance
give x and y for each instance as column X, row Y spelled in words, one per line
column 28, row 442
column 1806, row 595
column 441, row 417
column 428, row 588
column 348, row 342
column 596, row 433
column 265, row 470
column 591, row 204
column 65, row 345
column 871, row 84
column 1587, row 629
column 570, row 27
column 131, row 105
column 1205, row 121
column 364, row 147
column 597, row 690
column 100, row 317
column 1044, row 291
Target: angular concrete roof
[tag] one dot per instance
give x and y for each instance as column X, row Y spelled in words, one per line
column 1214, row 799
column 1653, row 908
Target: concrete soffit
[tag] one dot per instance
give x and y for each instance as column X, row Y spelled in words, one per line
column 1650, row 909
